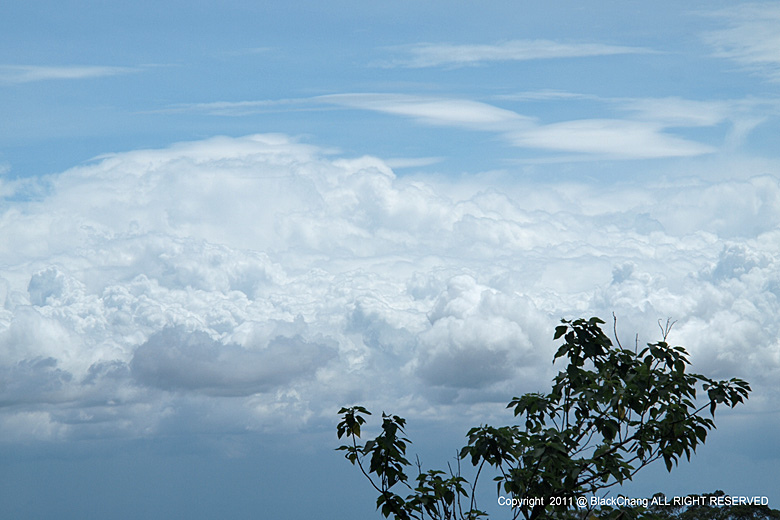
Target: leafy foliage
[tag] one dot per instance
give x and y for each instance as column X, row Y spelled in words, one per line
column 435, row 495
column 611, row 412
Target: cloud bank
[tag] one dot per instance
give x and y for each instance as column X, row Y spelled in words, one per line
column 258, row 283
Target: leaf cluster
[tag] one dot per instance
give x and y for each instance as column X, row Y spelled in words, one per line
column 611, row 411
column 436, row 495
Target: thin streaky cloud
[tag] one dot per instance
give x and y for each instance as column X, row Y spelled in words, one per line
column 243, row 108
column 223, row 108
column 548, row 95
column 751, row 37
column 668, row 111
column 253, row 51
column 412, row 162
column 619, row 139
column 641, row 136
column 679, row 112
column 443, row 54
column 611, row 138
column 433, row 110
column 427, row 109
column 31, row 73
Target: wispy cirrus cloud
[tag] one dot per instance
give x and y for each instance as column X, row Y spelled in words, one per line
column 432, row 110
column 612, row 138
column 751, row 37
column 462, row 113
column 223, row 108
column 443, row 54
column 251, row 51
column 675, row 111
column 742, row 115
column 31, row 73
column 398, row 163
column 669, row 111
column 638, row 130
column 243, row 108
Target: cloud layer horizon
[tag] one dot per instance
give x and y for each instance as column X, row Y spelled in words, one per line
column 259, row 283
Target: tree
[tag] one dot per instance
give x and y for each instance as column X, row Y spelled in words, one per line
column 611, row 412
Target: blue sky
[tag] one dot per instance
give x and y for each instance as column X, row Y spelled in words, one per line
column 222, row 222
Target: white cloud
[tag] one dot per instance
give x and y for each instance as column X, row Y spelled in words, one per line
column 478, row 336
column 743, row 115
column 412, row 162
column 606, row 138
column 239, row 108
column 31, row 73
column 680, row 112
column 733, row 209
column 437, row 111
column 442, row 54
column 644, row 134
column 611, row 138
column 548, row 95
column 237, row 283
column 751, row 38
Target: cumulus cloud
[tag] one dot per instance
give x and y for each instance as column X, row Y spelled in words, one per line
column 478, row 336
column 238, row 283
column 179, row 360
column 33, row 381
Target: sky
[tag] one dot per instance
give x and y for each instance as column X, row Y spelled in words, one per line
column 222, row 221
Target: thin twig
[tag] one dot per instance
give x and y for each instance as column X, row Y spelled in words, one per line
column 614, row 330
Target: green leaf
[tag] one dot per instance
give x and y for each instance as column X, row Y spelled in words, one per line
column 610, row 412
